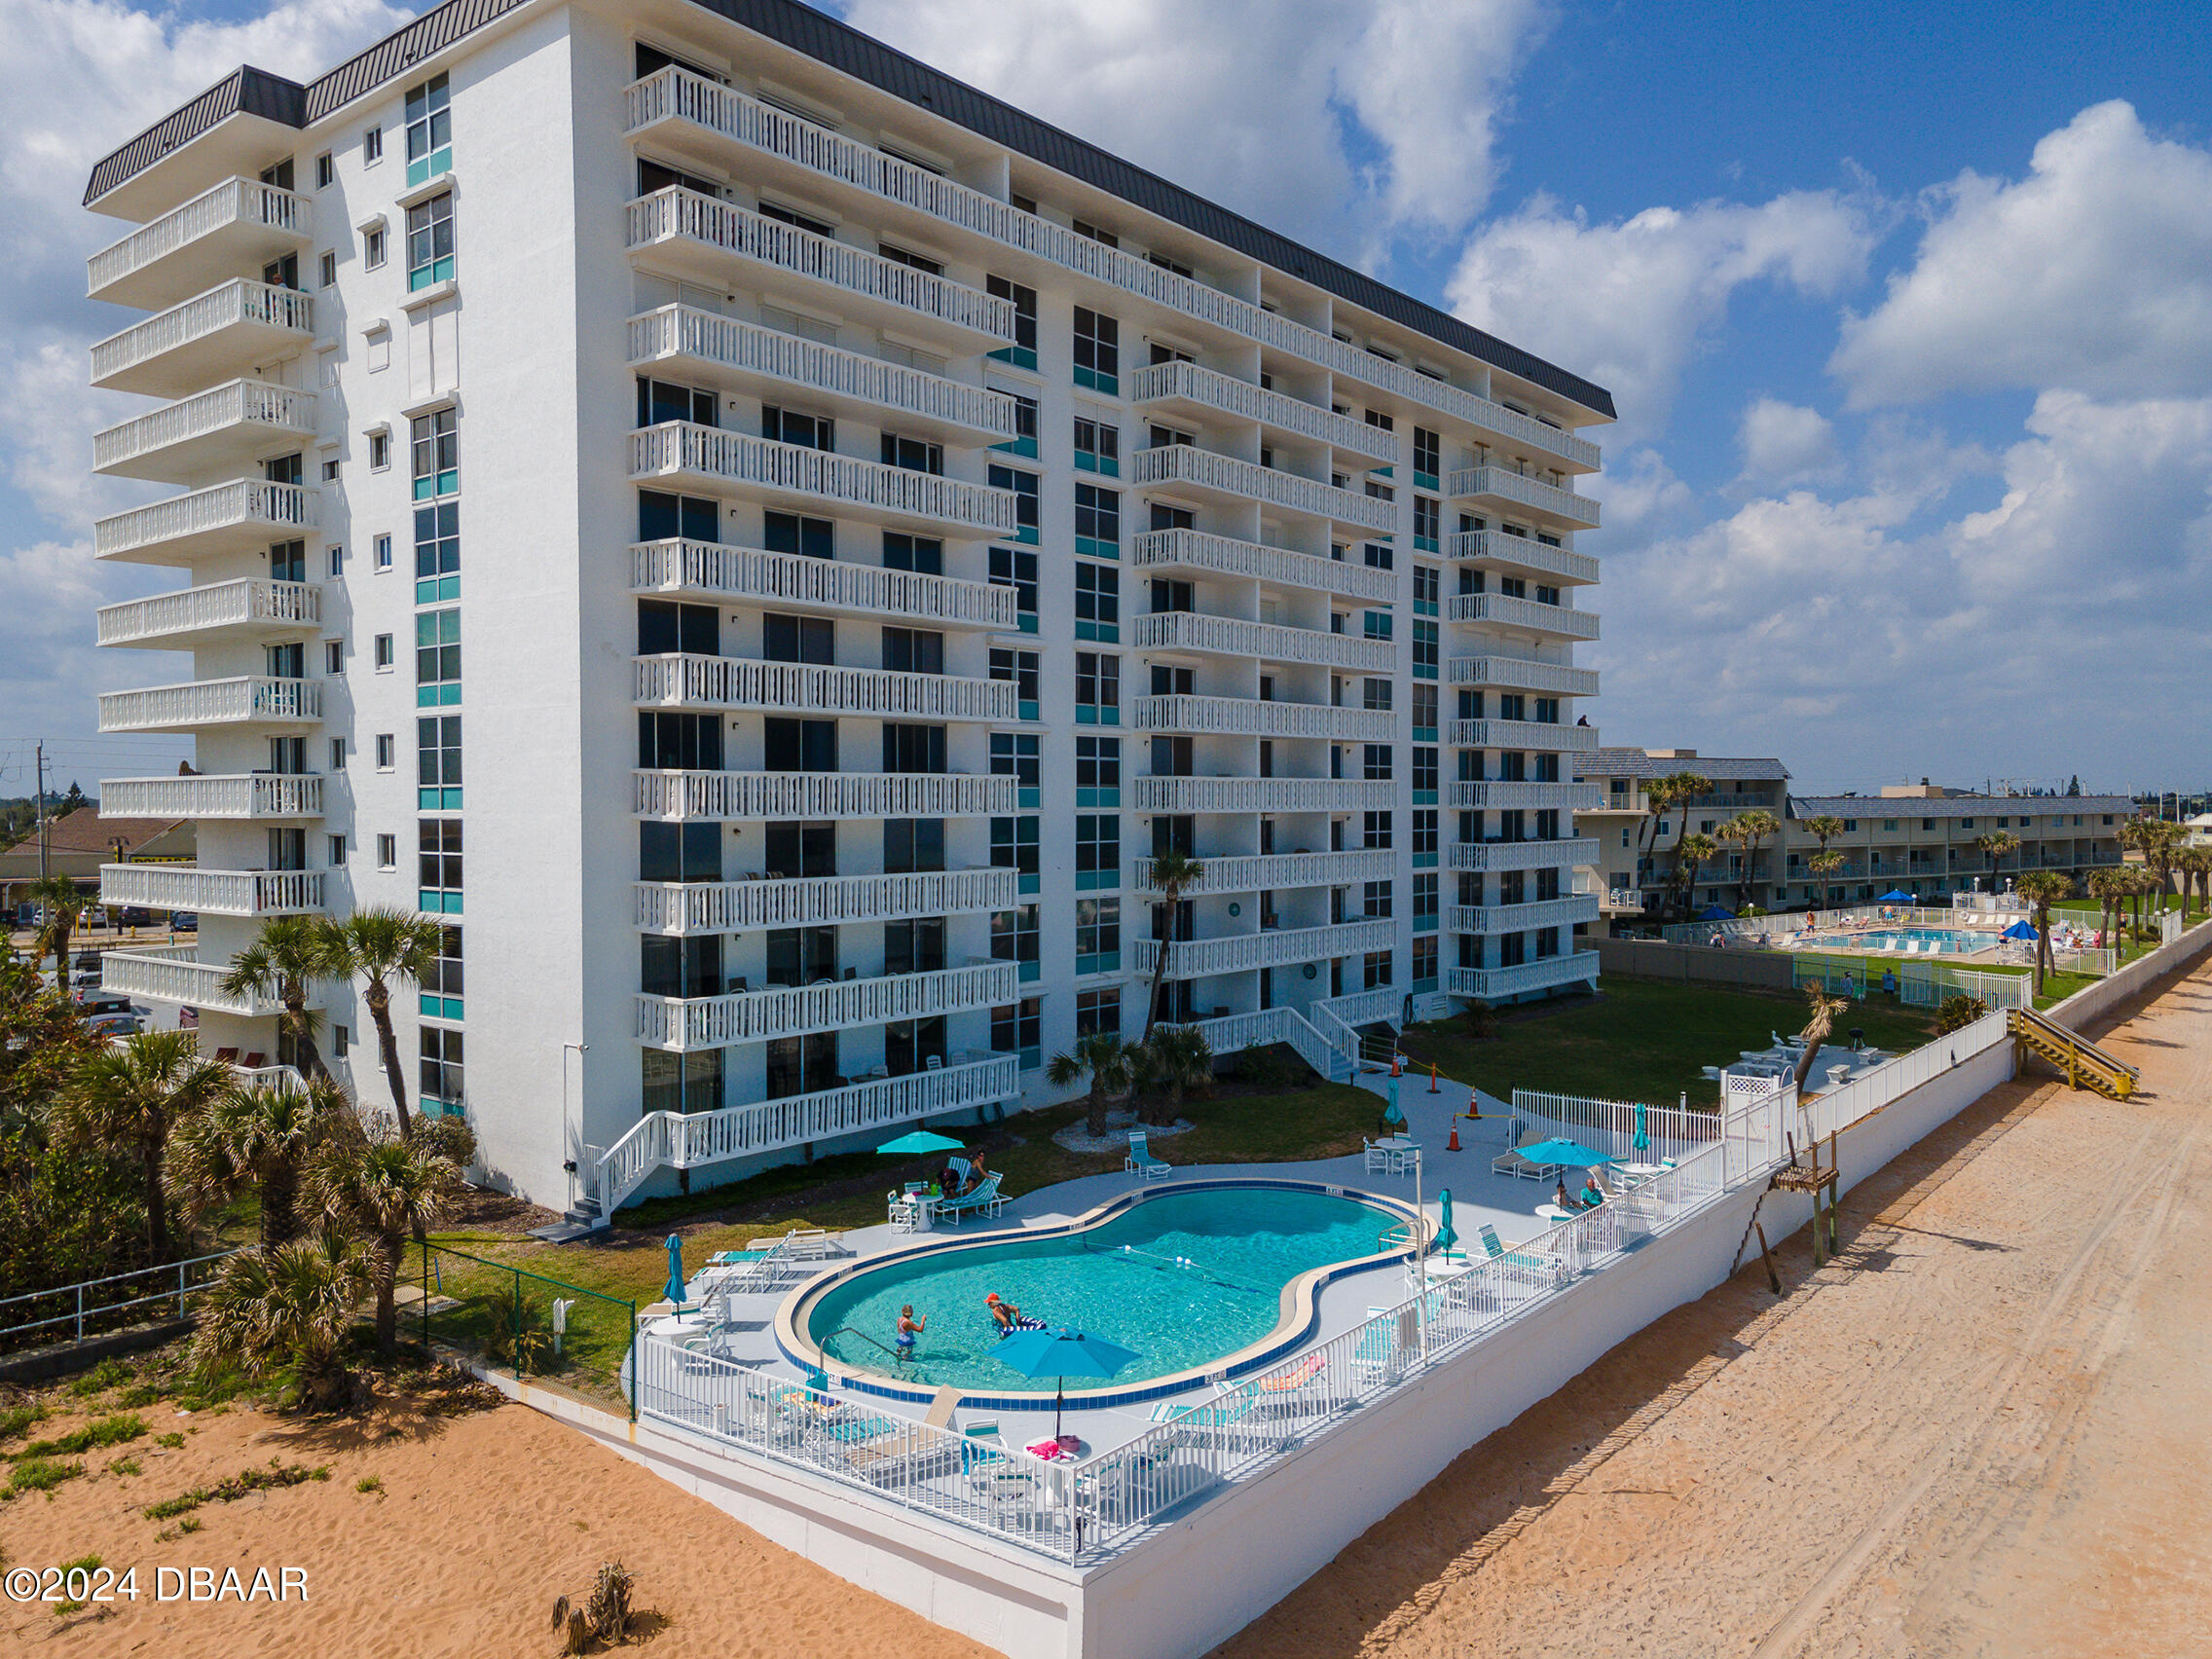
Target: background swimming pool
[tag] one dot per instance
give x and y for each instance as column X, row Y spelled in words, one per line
column 1182, row 1277
column 1948, row 942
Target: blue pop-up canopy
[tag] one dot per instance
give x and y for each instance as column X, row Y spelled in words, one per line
column 1895, row 896
column 1714, row 913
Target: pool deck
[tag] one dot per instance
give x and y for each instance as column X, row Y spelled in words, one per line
column 1478, row 1195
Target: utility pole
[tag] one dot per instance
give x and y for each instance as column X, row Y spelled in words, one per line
column 45, row 839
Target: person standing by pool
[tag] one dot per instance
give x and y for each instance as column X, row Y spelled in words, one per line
column 910, row 1327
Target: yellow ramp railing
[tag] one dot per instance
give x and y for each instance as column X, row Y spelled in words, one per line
column 2085, row 1066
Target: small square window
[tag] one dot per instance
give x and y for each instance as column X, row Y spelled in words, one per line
column 330, row 472
column 337, row 560
column 328, row 274
column 380, row 451
column 372, row 146
column 334, row 657
column 382, row 550
column 338, row 755
column 383, row 653
column 372, row 246
column 385, row 752
column 387, row 852
column 326, row 170
column 337, row 850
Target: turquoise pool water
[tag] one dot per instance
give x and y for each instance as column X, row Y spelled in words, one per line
column 1948, row 942
column 1182, row 1277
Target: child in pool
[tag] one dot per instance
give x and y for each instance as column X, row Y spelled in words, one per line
column 910, row 1327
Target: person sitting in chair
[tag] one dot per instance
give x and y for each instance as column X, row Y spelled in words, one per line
column 1559, row 1196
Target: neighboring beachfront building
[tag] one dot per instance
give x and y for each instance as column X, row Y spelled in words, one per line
column 1635, row 864
column 80, row 842
column 765, row 541
column 1923, row 840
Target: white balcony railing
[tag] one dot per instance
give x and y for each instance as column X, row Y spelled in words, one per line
column 686, row 331
column 252, row 602
column 216, row 795
column 733, row 796
column 1523, row 552
column 266, row 214
column 729, row 907
column 248, row 700
column 1546, row 973
column 230, row 420
column 1210, row 388
column 738, row 458
column 1260, row 794
column 1232, row 636
column 1221, row 556
column 198, row 334
column 178, row 975
column 1505, row 610
column 680, row 215
column 1518, row 674
column 221, row 518
column 1269, row 872
column 1563, row 912
column 708, row 569
column 1506, row 795
column 1503, row 484
column 1203, row 470
column 674, row 94
column 759, row 1016
column 799, row 687
column 1522, row 734
column 1251, row 716
column 1270, row 948
column 213, row 892
column 1479, row 856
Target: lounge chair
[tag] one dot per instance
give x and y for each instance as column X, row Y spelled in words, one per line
column 226, row 1056
column 1296, row 1377
column 1542, row 1270
column 1140, row 1161
column 984, row 1199
column 1511, row 1162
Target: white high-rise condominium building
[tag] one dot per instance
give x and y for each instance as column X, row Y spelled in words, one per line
column 765, row 541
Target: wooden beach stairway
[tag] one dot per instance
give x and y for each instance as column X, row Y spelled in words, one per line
column 2084, row 1063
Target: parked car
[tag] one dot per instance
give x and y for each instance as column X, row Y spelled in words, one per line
column 94, row 918
column 88, row 959
column 95, row 1004
column 115, row 1025
column 184, row 921
column 137, row 916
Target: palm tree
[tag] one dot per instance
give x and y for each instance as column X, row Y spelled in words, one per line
column 287, row 1304
column 283, row 962
column 1696, row 852
column 1824, row 827
column 2162, row 839
column 2043, row 888
column 256, row 1136
column 1824, row 863
column 1176, row 1059
column 1662, row 795
column 2195, row 865
column 1748, row 831
column 63, row 904
column 1994, row 846
column 127, row 1099
column 2108, row 886
column 1108, row 1061
column 387, row 1190
column 380, row 945
column 1823, row 1010
column 1170, row 874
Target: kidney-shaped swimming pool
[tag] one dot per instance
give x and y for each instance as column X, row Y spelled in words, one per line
column 1185, row 1276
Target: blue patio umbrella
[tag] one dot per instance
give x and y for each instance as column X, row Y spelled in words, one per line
column 1895, row 896
column 674, row 1289
column 1446, row 1237
column 1642, row 1139
column 919, row 1142
column 2018, row 930
column 1060, row 1352
column 1716, row 914
column 1394, row 1113
column 1563, row 1151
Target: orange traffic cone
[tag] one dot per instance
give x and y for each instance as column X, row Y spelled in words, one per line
column 1432, row 1089
column 1395, row 1058
column 1452, row 1145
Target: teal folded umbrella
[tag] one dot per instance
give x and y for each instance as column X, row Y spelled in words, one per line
column 1446, row 1237
column 672, row 1291
column 1642, row 1139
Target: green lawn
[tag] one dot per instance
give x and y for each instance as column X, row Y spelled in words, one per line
column 1642, row 1039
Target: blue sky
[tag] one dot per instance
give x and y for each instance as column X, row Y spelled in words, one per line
column 1909, row 311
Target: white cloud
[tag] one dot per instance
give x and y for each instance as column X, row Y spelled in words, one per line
column 1640, row 489
column 1246, row 101
column 2094, row 271
column 1787, row 443
column 1628, row 302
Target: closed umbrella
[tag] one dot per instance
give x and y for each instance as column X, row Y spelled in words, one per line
column 672, row 1291
column 1643, row 1138
column 1062, row 1353
column 1392, row 1114
column 1446, row 1237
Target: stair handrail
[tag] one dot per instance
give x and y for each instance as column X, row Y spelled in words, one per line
column 2051, row 1028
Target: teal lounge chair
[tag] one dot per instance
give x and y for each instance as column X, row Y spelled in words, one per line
column 1542, row 1269
column 1140, row 1161
column 983, row 1201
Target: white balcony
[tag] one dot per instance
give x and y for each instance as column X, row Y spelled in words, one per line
column 228, row 430
column 1546, row 973
column 1480, row 856
column 1179, row 387
column 1270, row 872
column 1260, row 794
column 813, row 688
column 190, row 617
column 1190, row 467
column 1220, row 556
column 1252, row 716
column 697, row 236
column 226, row 334
column 1521, row 553
column 1522, row 734
column 1563, row 912
column 1232, row 636
column 723, row 123
column 740, row 796
column 1503, row 610
column 275, row 796
column 704, row 349
column 213, row 892
column 237, row 517
column 793, row 581
column 732, row 906
column 1270, row 948
column 713, row 460
column 796, row 1011
column 240, row 223
column 250, row 700
column 1520, row 674
column 178, row 975
column 1506, row 795
column 1546, row 501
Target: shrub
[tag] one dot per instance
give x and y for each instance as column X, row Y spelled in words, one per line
column 1958, row 1013
column 1260, row 1067
column 1479, row 1022
column 446, row 1136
